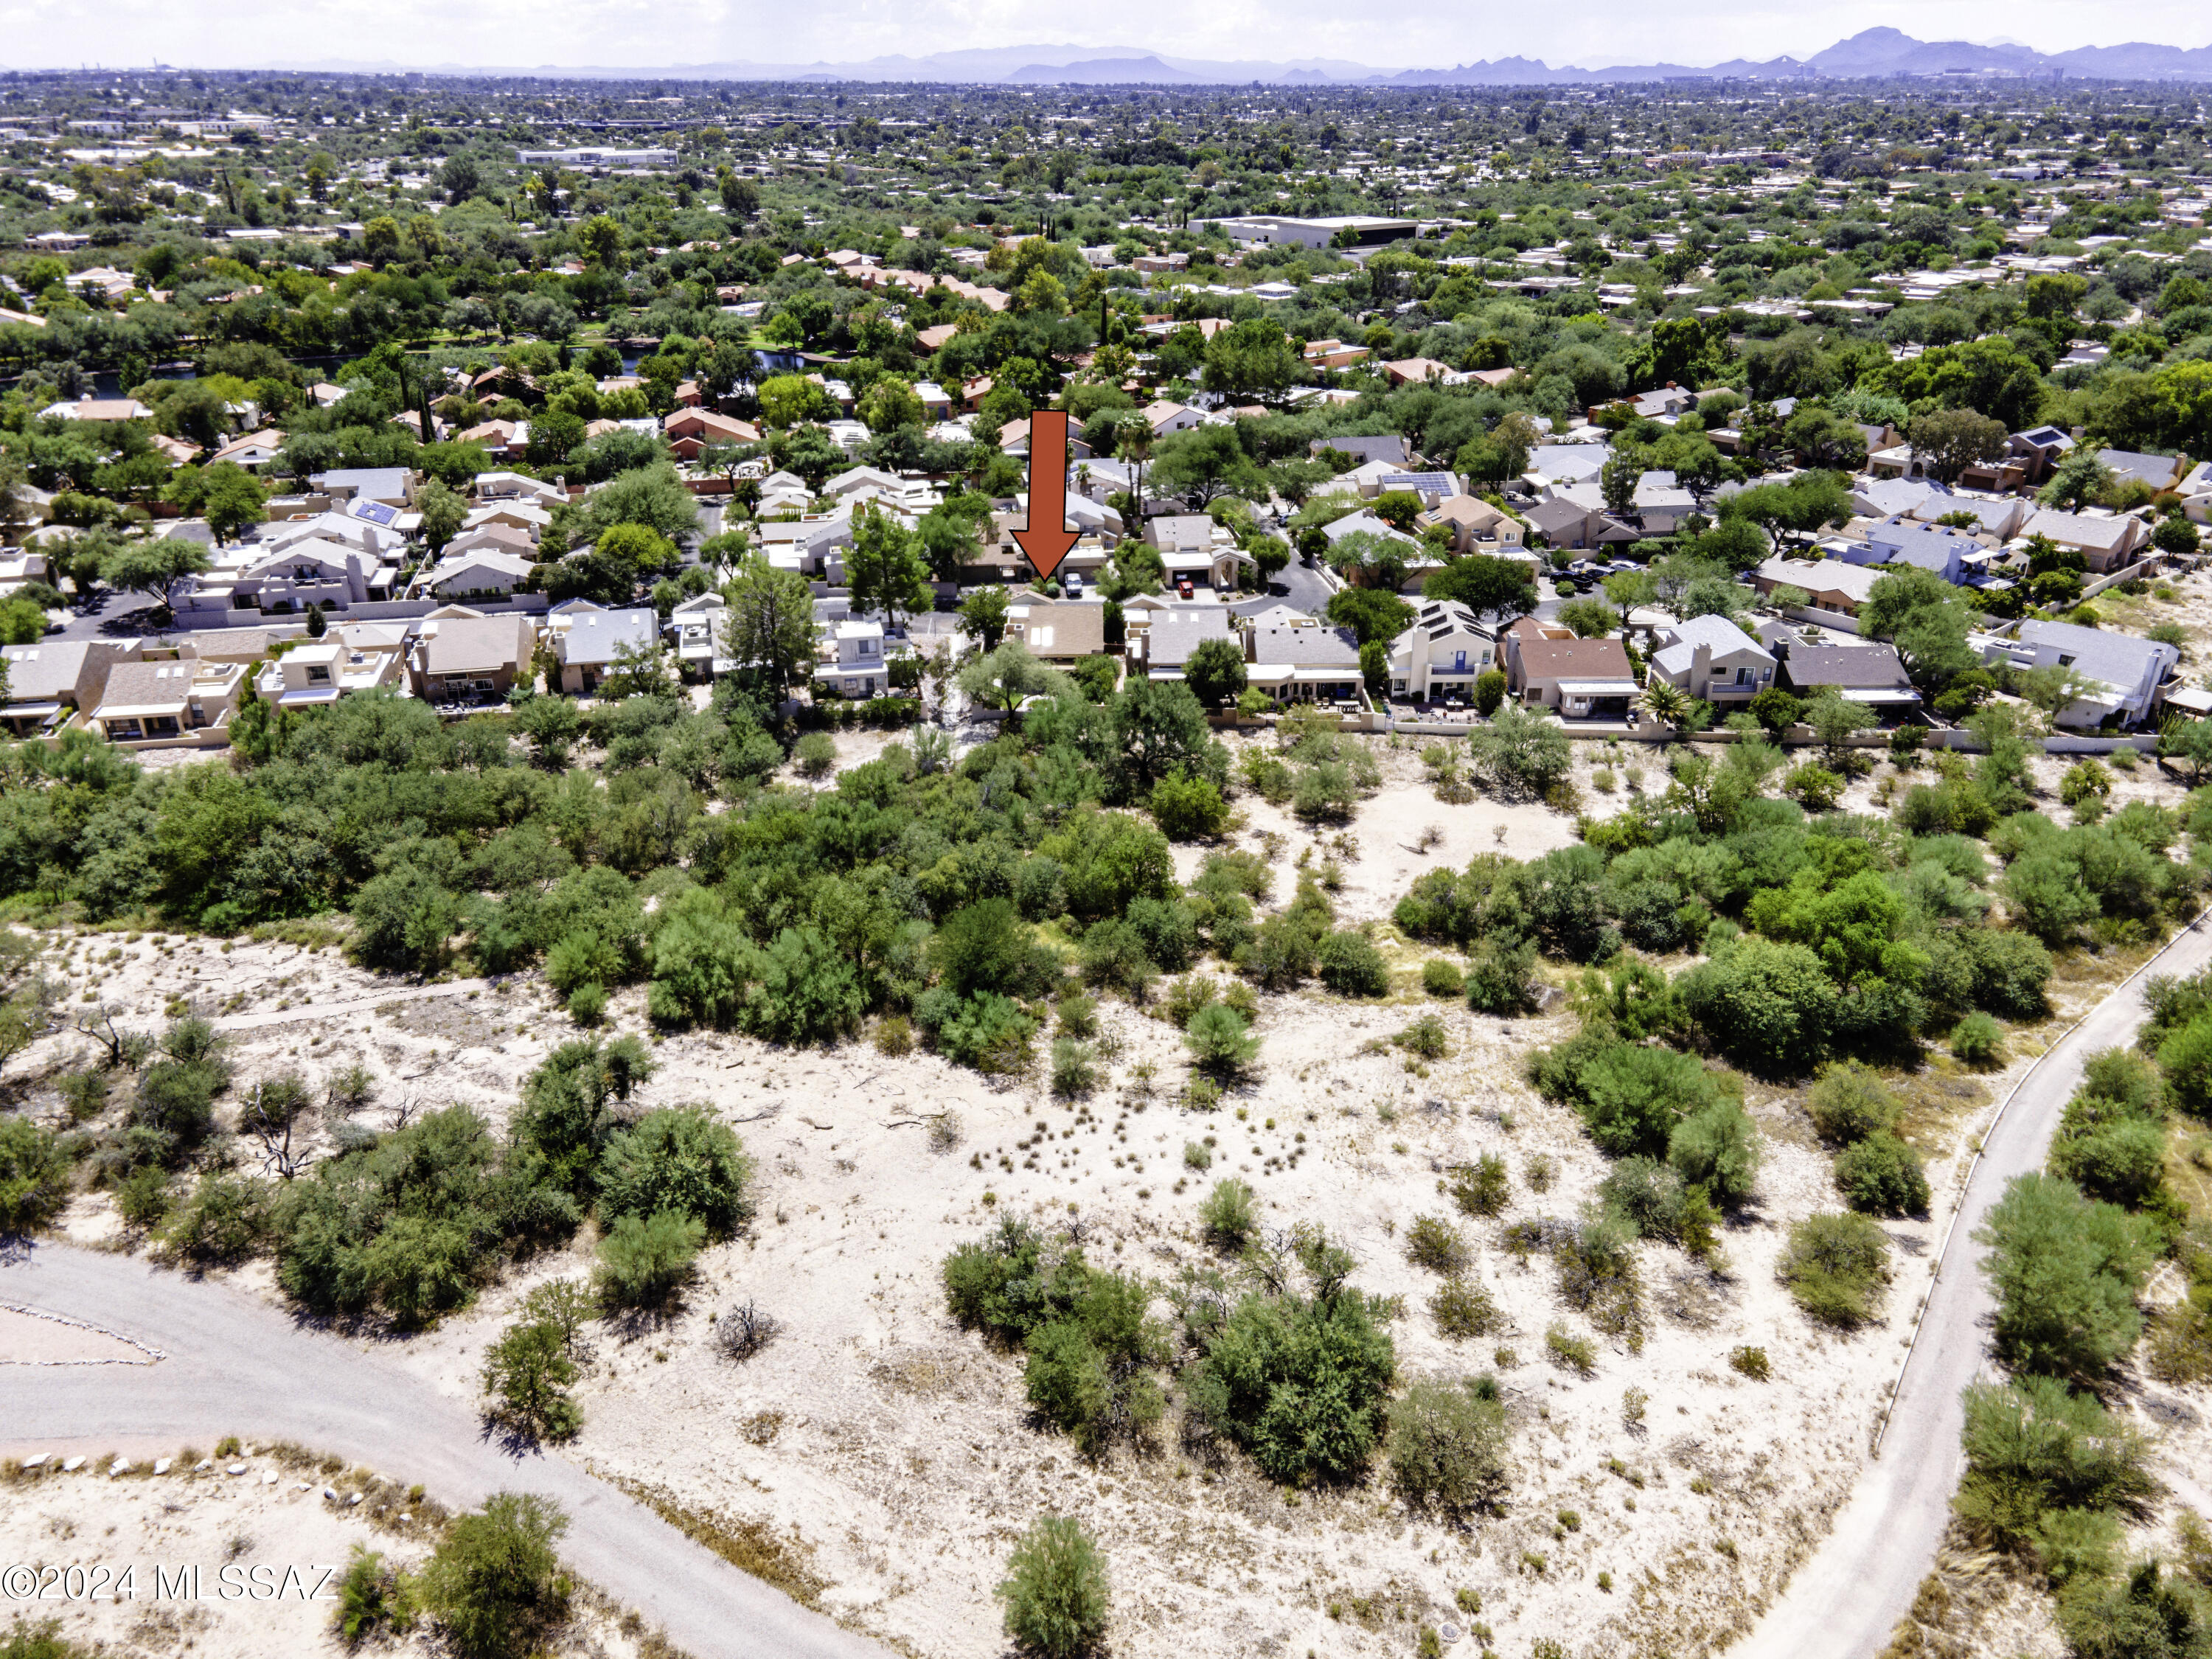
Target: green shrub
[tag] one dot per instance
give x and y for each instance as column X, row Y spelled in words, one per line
column 1567, row 1348
column 1349, row 965
column 142, row 1197
column 1435, row 1243
column 1440, row 978
column 1075, row 1071
column 1426, row 1037
column 2123, row 1162
column 1186, row 809
column 1230, row 1214
column 1086, row 1370
column 1498, row 974
column 1482, row 1187
column 989, row 1032
column 644, row 1261
column 587, row 1004
column 1977, row 1040
column 1197, row 1155
column 1463, row 1309
column 2034, row 1449
column 1630, row 1096
column 34, row 1175
column 1055, row 1589
column 1848, row 1102
column 1835, row 1265
column 817, row 755
column 224, row 1219
column 527, row 1373
column 1219, row 1040
column 1882, row 1175
column 494, row 1583
column 2147, row 1615
column 1299, row 1384
column 1077, row 1013
column 1716, row 1149
column 680, row 1160
column 2065, row 1270
column 1446, row 1445
column 374, row 1600
column 1750, row 1362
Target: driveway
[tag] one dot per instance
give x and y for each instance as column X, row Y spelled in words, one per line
column 1844, row 1602
column 235, row 1365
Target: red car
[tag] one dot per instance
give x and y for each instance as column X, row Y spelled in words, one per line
column 1182, row 587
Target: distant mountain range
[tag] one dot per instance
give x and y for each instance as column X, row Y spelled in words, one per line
column 1872, row 54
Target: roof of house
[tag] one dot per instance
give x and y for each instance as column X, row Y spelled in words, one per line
column 470, row 643
column 1380, row 447
column 42, row 672
column 2156, row 471
column 1466, row 509
column 594, row 637
column 1177, row 632
column 1929, row 547
column 1574, row 660
column 2119, row 659
column 1854, row 581
column 1887, row 496
column 455, row 566
column 1569, row 460
column 1557, row 513
column 2080, row 529
column 1061, row 628
column 1306, row 648
column 1717, row 634
column 378, row 483
column 1871, row 667
column 146, row 688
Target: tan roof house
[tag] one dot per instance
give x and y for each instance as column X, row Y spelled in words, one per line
column 181, row 701
column 464, row 659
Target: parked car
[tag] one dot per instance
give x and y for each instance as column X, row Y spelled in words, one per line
column 1184, row 590
column 1071, row 584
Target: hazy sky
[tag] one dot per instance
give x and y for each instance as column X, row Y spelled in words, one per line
column 582, row 33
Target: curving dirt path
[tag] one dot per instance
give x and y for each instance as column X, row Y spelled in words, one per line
column 231, row 1365
column 1844, row 1602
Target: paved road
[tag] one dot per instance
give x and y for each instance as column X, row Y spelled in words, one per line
column 1844, row 1602
column 237, row 1366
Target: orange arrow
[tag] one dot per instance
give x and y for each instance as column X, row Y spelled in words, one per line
column 1046, row 538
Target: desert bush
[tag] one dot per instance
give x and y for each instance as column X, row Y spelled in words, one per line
column 1075, row 1071
column 893, row 1037
column 989, row 1032
column 527, row 1373
column 817, row 755
column 1716, row 1149
column 1463, row 1309
column 1446, row 1444
column 2065, row 1269
column 1498, row 975
column 1426, row 1037
column 494, row 1583
column 224, row 1219
column 1835, row 1265
column 1055, row 1589
column 1750, row 1362
column 142, row 1197
column 84, row 1094
column 1349, row 965
column 744, row 1330
column 1077, row 1013
column 1568, row 1349
column 1186, row 809
column 681, row 1159
column 1482, row 1187
column 1230, row 1214
column 1630, row 1096
column 34, row 1175
column 587, row 1004
column 1440, row 978
column 1595, row 1260
column 1220, row 1041
column 1848, row 1102
column 375, row 1600
column 644, row 1261
column 1435, row 1243
column 1197, row 1155
column 1977, row 1040
column 2146, row 1614
column 2034, row 1449
column 1882, row 1175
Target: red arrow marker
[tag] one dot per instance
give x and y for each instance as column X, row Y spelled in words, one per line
column 1047, row 538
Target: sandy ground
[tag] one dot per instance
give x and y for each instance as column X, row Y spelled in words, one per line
column 238, row 1556
column 893, row 1450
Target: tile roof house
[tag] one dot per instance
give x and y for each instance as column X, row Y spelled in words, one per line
column 478, row 573
column 1059, row 629
column 2106, row 541
column 2160, row 472
column 587, row 640
column 2029, row 458
column 2129, row 671
column 462, row 658
column 1871, row 674
column 1444, row 653
column 168, row 704
column 1546, row 665
column 1831, row 584
column 1906, row 541
column 1176, row 632
column 315, row 671
column 1710, row 658
column 1293, row 664
column 1382, row 446
column 49, row 678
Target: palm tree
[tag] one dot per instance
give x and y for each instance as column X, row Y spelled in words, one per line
column 1667, row 703
column 1136, row 444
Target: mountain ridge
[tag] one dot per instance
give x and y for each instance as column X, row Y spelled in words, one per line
column 1881, row 52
